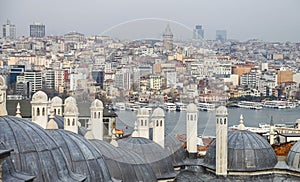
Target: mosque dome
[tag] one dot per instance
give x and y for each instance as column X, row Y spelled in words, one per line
column 158, row 112
column 124, row 165
column 70, row 109
column 247, row 151
column 152, row 153
column 34, row 151
column 191, row 108
column 175, row 149
column 39, row 97
column 56, row 101
column 69, row 100
column 293, row 158
column 143, row 112
column 83, row 157
column 97, row 104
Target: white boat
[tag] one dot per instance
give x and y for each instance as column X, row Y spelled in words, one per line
column 249, row 105
column 277, row 104
column 180, row 106
column 168, row 106
column 120, row 106
column 206, row 106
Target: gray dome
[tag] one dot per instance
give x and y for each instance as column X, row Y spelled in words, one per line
column 152, row 153
column 247, row 151
column 158, row 112
column 35, row 152
column 124, row 165
column 175, row 149
column 83, row 157
column 191, row 108
column 39, row 97
column 293, row 158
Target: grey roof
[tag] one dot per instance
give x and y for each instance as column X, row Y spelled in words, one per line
column 83, row 157
column 293, row 158
column 175, row 149
column 247, row 151
column 35, row 152
column 124, row 165
column 10, row 174
column 152, row 153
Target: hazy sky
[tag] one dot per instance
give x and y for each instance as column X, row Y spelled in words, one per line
column 271, row 20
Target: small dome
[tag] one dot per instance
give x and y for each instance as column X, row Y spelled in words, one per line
column 124, row 165
column 143, row 112
column 221, row 110
column 2, row 82
column 70, row 100
column 83, row 157
column 158, row 112
column 293, row 158
column 175, row 149
column 152, row 153
column 56, row 101
column 70, row 109
column 34, row 151
column 247, row 151
column 191, row 108
column 97, row 104
column 39, row 97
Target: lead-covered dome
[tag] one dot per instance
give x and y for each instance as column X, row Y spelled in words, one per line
column 175, row 149
column 34, row 151
column 247, row 151
column 39, row 97
column 123, row 165
column 293, row 158
column 83, row 157
column 152, row 153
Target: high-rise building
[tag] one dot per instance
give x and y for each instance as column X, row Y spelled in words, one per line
column 198, row 32
column 37, row 30
column 9, row 30
column 221, row 35
column 168, row 38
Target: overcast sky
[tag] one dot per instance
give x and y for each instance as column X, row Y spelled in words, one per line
column 270, row 20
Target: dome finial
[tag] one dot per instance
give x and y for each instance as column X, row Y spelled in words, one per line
column 89, row 134
column 135, row 130
column 52, row 125
column 18, row 112
column 241, row 125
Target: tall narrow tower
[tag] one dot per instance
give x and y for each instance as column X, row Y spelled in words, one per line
column 221, row 140
column 191, row 130
column 158, row 121
column 97, row 119
column 57, row 104
column 143, row 122
column 3, row 88
column 71, row 116
column 168, row 38
column 39, row 105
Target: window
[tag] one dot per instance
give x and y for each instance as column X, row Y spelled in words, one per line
column 160, row 122
column 43, row 112
column 55, row 111
column 38, row 112
column 73, row 123
column 225, row 121
column 58, row 111
column 156, row 122
column 142, row 123
column 99, row 114
column 217, row 120
column 68, row 123
column 94, row 114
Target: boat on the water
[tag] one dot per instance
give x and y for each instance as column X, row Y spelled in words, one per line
column 206, row 106
column 249, row 105
column 180, row 106
column 168, row 106
column 277, row 104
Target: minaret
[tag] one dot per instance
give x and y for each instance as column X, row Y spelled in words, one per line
column 143, row 122
column 158, row 121
column 3, row 88
column 191, row 130
column 135, row 132
column 97, row 119
column 168, row 38
column 71, row 117
column 57, row 105
column 271, row 131
column 18, row 112
column 221, row 140
column 39, row 105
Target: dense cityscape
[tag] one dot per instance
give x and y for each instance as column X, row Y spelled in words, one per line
column 100, row 108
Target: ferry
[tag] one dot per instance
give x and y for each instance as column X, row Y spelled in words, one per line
column 276, row 104
column 119, row 106
column 180, row 106
column 249, row 105
column 168, row 106
column 206, row 106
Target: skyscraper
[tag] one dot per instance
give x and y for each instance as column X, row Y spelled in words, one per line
column 9, row 30
column 168, row 38
column 37, row 30
column 221, row 35
column 198, row 32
